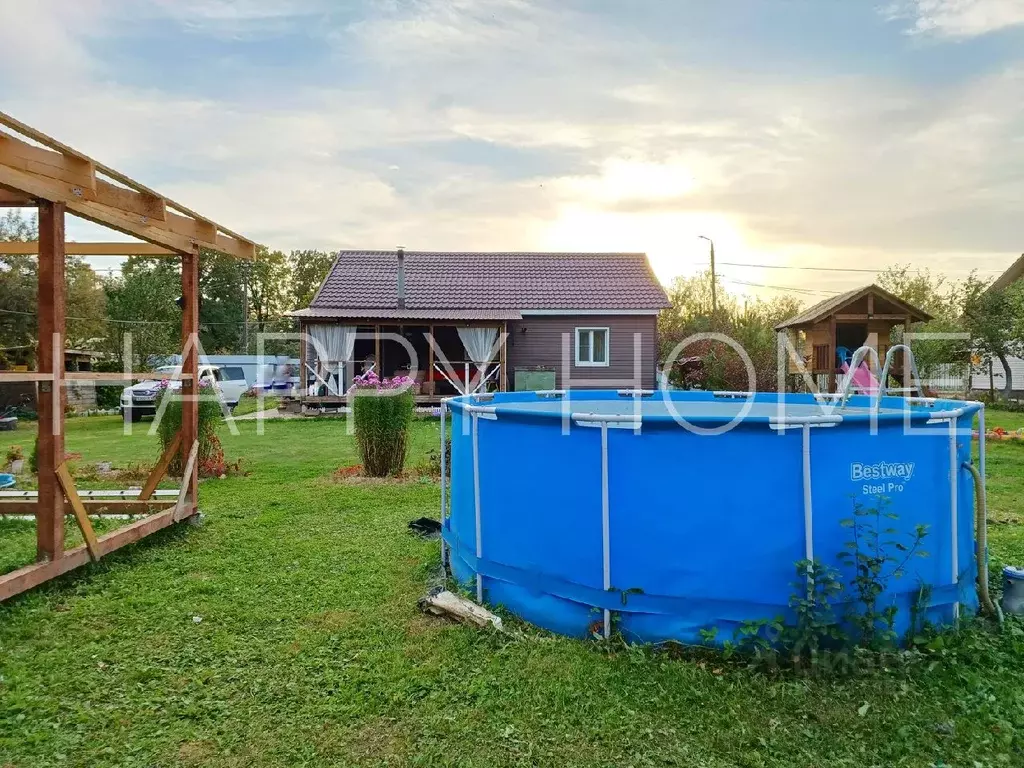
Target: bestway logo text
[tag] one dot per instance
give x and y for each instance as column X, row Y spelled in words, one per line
column 883, row 470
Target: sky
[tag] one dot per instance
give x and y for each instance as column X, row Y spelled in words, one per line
column 848, row 134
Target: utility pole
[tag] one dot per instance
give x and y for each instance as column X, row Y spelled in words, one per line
column 714, row 280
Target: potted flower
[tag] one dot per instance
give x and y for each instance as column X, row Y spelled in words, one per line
column 382, row 410
column 16, row 459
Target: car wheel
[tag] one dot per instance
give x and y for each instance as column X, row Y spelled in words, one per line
column 130, row 414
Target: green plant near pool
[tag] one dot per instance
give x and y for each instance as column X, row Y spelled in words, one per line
column 382, row 410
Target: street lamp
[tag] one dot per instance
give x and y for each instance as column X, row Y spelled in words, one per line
column 714, row 291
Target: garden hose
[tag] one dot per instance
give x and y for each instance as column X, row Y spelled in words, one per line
column 981, row 540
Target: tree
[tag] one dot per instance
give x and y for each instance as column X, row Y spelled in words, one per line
column 752, row 326
column 309, row 269
column 995, row 321
column 84, row 294
column 141, row 305
column 944, row 301
column 222, row 308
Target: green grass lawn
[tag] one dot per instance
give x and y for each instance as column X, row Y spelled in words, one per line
column 284, row 631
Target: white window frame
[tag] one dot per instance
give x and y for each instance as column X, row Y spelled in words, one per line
column 607, row 346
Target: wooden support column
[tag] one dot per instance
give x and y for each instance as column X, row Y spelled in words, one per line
column 430, row 362
column 832, row 353
column 303, row 374
column 503, row 358
column 190, row 367
column 376, row 352
column 50, row 357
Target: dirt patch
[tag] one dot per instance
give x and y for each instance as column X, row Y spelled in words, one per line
column 376, row 741
column 196, row 752
column 354, row 475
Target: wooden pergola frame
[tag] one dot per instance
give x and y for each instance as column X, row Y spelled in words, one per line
column 39, row 171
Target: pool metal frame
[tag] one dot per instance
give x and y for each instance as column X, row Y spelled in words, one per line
column 604, row 422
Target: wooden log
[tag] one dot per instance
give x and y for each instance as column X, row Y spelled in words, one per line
column 50, row 356
column 445, row 603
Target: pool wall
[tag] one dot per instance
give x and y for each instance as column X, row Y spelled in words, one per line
column 667, row 533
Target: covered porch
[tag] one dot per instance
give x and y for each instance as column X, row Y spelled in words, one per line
column 444, row 357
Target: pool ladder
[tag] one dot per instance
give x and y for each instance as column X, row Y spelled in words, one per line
column 862, row 353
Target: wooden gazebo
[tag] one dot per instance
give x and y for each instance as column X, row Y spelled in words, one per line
column 863, row 316
column 39, row 171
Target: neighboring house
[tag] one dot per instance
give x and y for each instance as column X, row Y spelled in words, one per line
column 461, row 322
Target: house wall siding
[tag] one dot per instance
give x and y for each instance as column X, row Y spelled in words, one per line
column 541, row 345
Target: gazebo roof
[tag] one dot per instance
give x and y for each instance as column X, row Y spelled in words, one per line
column 885, row 303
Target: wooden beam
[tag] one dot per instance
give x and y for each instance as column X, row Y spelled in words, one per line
column 129, row 200
column 52, row 395
column 48, row 141
column 10, row 199
column 43, row 162
column 31, row 248
column 26, row 578
column 153, row 231
column 92, row 506
column 67, row 483
column 185, row 494
column 158, row 472
column 863, row 318
column 190, row 365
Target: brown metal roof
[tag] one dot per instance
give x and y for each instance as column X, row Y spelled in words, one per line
column 477, row 281
column 376, row 313
column 820, row 311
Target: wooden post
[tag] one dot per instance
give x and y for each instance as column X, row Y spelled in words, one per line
column 50, row 357
column 376, row 352
column 303, row 382
column 503, row 358
column 832, row 353
column 430, row 361
column 190, row 368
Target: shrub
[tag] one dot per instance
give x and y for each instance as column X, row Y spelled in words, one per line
column 382, row 410
column 15, row 453
column 211, row 454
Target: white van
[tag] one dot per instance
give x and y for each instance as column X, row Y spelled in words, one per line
column 139, row 399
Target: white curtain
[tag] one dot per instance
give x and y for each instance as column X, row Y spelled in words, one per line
column 332, row 346
column 479, row 343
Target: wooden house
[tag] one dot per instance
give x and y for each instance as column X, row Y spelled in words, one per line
column 467, row 322
column 863, row 316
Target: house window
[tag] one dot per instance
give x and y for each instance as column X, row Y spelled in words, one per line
column 591, row 346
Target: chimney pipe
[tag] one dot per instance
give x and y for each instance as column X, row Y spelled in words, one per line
column 401, row 277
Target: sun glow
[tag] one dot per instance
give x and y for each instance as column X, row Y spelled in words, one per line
column 669, row 238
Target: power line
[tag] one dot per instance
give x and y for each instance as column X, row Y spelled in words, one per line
column 788, row 288
column 821, row 269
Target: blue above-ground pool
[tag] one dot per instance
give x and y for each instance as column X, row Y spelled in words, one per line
column 664, row 514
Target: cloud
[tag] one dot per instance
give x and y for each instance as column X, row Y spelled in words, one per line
column 509, row 124
column 958, row 18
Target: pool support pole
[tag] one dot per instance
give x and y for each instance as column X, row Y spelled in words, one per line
column 444, row 467
column 808, row 509
column 954, row 468
column 606, row 527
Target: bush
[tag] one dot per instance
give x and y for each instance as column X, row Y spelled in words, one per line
column 211, row 454
column 382, row 410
